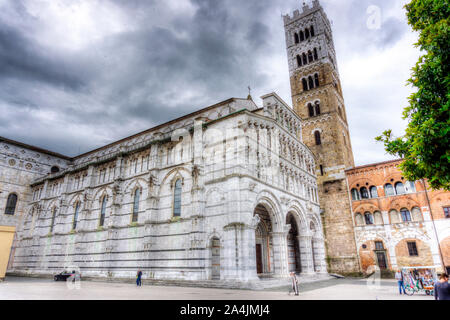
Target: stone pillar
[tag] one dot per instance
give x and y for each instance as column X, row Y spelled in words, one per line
column 306, row 258
column 319, row 255
column 280, row 256
column 239, row 255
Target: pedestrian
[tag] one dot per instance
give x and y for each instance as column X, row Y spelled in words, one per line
column 138, row 278
column 294, row 284
column 399, row 278
column 442, row 288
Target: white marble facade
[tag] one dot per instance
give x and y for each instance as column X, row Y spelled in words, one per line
column 249, row 202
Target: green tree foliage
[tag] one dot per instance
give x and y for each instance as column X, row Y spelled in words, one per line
column 425, row 147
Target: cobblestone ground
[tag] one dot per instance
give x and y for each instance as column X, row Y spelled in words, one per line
column 338, row 289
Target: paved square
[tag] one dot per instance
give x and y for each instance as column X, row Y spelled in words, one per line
column 15, row 288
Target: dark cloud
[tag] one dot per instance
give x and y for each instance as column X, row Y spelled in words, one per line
column 167, row 59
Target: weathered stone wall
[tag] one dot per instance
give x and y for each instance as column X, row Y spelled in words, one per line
column 424, row 257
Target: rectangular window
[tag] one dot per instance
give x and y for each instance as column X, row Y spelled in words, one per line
column 412, row 249
column 379, row 245
column 447, row 212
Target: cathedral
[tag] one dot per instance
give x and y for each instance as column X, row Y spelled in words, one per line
column 232, row 193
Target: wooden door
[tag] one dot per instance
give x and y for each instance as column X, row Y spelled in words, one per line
column 259, row 266
column 215, row 259
column 381, row 257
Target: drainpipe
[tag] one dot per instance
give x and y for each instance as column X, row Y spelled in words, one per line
column 434, row 226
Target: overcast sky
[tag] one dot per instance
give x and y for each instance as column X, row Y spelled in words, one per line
column 79, row 74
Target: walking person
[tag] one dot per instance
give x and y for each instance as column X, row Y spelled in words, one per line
column 294, row 284
column 442, row 288
column 139, row 278
column 400, row 281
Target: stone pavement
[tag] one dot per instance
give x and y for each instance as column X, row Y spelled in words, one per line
column 17, row 288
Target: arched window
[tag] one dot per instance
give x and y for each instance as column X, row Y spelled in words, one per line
column 102, row 212
column 355, row 194
column 406, row 215
column 296, row 39
column 299, row 61
column 399, row 188
column 364, row 193
column 312, row 31
column 307, row 34
column 311, row 110
column 373, row 192
column 394, row 216
column 75, row 216
column 137, row 195
column 316, row 56
column 318, row 138
column 310, row 82
column 359, row 219
column 177, row 199
column 317, row 107
column 52, row 223
column 416, row 214
column 378, row 217
column 11, row 204
column 369, row 218
column 389, row 190
column 305, row 85
column 340, row 111
column 316, row 79
column 310, row 56
column 305, row 59
column 410, row 187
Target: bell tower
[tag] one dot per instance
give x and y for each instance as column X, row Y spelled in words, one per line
column 317, row 98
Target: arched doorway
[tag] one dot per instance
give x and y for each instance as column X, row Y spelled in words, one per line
column 293, row 245
column 263, row 242
column 215, row 258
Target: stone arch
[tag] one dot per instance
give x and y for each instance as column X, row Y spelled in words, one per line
column 410, row 233
column 210, row 192
column 75, row 198
column 132, row 185
column 299, row 215
column 102, row 192
column 176, row 172
column 272, row 205
column 362, row 183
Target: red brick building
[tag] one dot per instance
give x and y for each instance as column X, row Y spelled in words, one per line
column 397, row 222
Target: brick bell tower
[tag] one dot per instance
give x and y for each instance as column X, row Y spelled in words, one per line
column 317, row 98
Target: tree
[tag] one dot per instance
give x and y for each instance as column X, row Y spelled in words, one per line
column 425, row 147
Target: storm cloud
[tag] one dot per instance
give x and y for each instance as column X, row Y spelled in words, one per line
column 77, row 74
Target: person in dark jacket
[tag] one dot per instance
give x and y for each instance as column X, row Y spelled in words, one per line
column 138, row 278
column 442, row 288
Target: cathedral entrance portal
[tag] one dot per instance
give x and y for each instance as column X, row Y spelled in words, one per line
column 264, row 243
